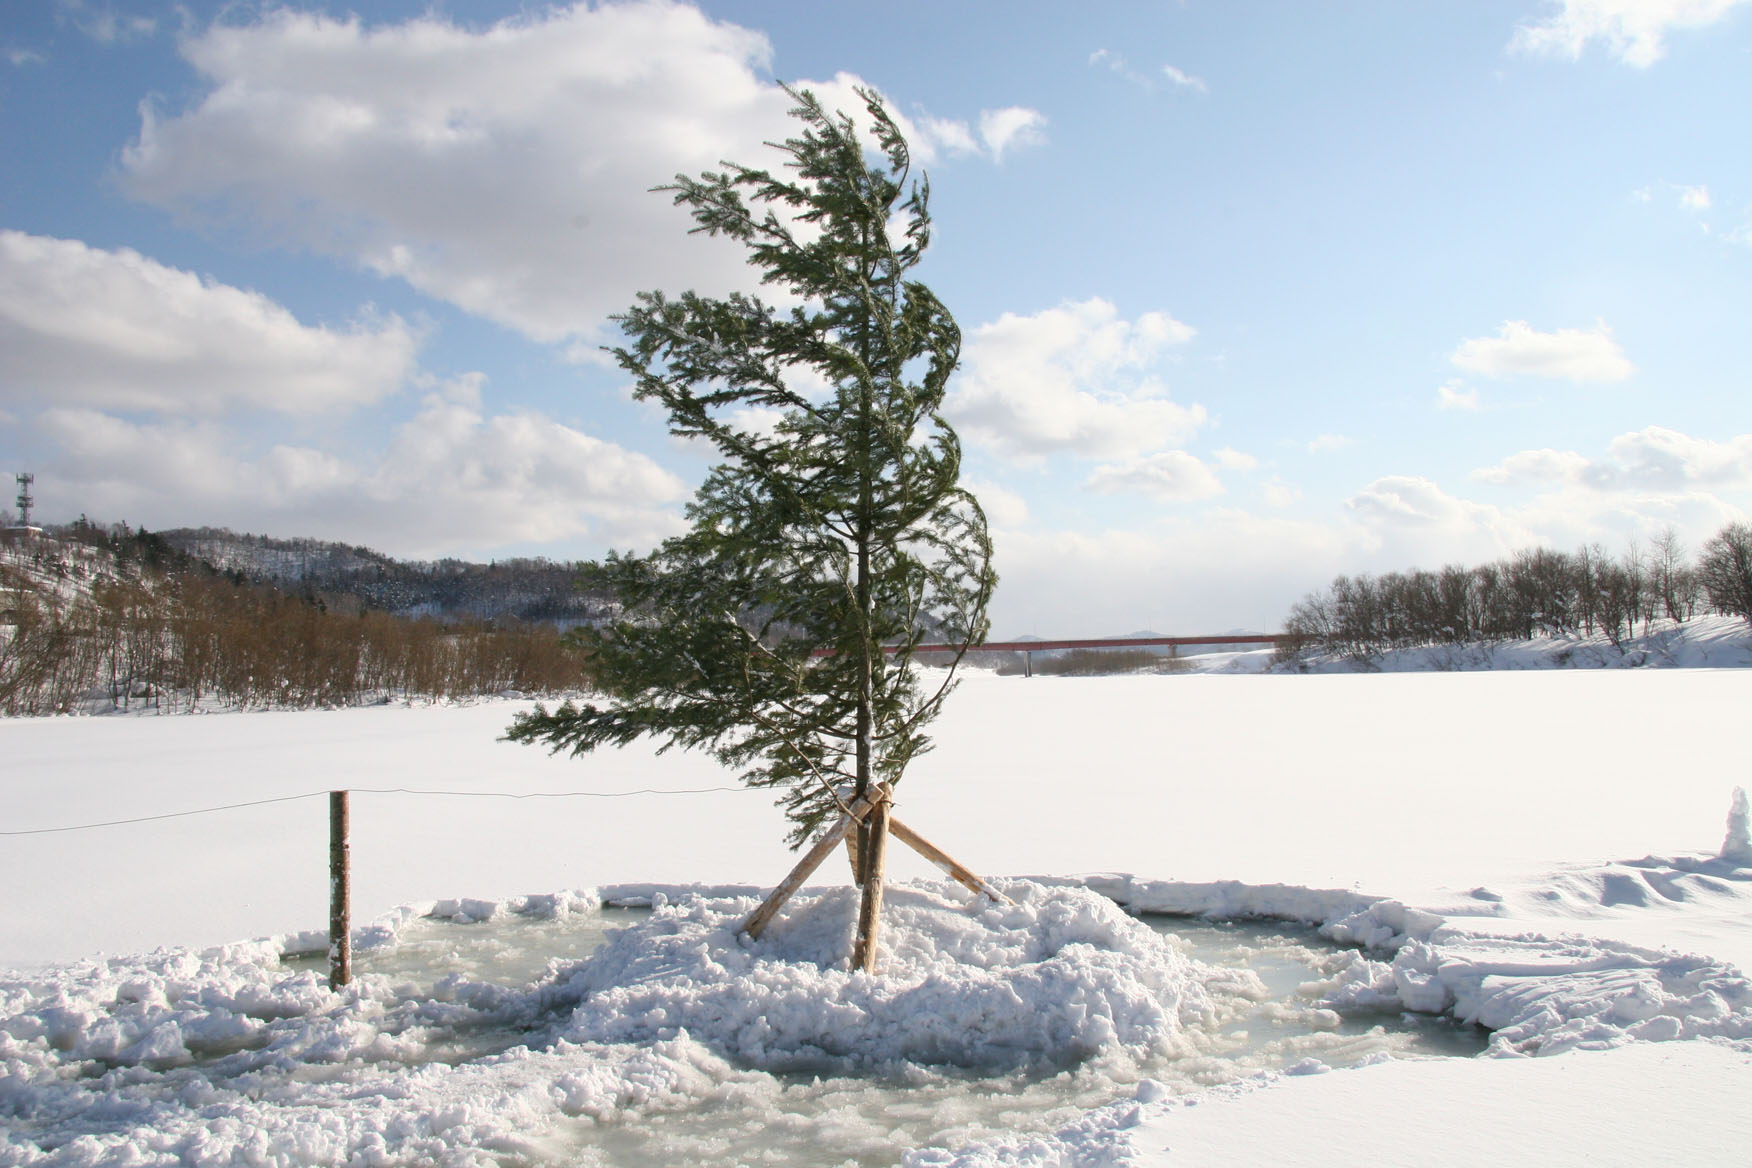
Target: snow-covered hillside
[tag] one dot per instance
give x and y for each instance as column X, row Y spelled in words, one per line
column 1536, row 850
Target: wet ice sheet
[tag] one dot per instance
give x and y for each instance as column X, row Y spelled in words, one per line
column 807, row 1119
column 870, row 1120
column 497, row 1042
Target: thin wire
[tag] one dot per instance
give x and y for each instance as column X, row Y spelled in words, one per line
column 166, row 815
column 382, row 791
column 548, row 794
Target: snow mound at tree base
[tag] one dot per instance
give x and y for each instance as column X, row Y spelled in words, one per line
column 1055, row 978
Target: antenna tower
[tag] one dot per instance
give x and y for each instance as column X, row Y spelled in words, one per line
column 25, row 479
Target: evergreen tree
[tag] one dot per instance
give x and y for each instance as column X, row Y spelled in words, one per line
column 833, row 538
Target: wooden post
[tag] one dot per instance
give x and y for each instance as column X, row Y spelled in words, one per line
column 930, row 851
column 340, row 894
column 865, row 951
column 759, row 919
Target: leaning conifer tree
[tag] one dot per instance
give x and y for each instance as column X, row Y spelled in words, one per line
column 830, row 542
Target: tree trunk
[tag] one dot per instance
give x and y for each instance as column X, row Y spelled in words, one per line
column 865, row 951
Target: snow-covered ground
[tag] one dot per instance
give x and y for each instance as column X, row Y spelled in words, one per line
column 1534, row 850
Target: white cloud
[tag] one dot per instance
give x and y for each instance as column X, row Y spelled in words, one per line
column 947, row 134
column 102, row 23
column 1117, row 64
column 504, row 169
column 1411, row 521
column 1694, row 198
column 1011, row 127
column 1534, row 466
column 1454, row 395
column 450, row 477
column 1209, row 573
column 1221, row 567
column 1634, row 31
column 1231, row 459
column 1651, row 459
column 1169, row 476
column 80, row 326
column 1184, row 80
column 1278, row 493
column 1643, row 481
column 1326, row 443
column 1004, row 508
column 1412, row 500
column 1579, row 355
column 1076, row 379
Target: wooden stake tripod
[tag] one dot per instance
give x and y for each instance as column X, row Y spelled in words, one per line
column 873, row 808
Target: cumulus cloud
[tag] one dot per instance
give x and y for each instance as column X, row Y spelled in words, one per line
column 81, row 326
column 504, row 169
column 1653, row 459
column 450, row 477
column 1579, row 355
column 1076, row 379
column 1534, row 467
column 1231, row 459
column 1643, row 482
column 1634, row 31
column 1170, row 476
column 1411, row 500
column 1454, row 395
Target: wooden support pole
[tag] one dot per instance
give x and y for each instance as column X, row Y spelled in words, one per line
column 852, row 857
column 340, row 894
column 930, row 851
column 866, row 950
column 759, row 919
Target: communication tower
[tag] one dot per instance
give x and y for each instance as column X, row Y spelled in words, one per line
column 25, row 479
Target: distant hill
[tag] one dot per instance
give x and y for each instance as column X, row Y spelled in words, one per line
column 537, row 590
column 95, row 618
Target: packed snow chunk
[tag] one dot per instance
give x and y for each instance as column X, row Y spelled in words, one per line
column 1055, row 978
column 1545, row 996
column 1737, row 847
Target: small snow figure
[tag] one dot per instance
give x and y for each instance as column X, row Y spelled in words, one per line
column 1737, row 848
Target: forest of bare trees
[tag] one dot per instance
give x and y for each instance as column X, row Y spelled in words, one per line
column 92, row 616
column 1536, row 592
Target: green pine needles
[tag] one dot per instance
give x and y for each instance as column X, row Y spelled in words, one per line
column 833, row 538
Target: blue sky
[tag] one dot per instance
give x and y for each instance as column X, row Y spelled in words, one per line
column 1252, row 293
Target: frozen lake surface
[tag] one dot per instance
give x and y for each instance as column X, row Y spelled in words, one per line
column 1537, row 850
